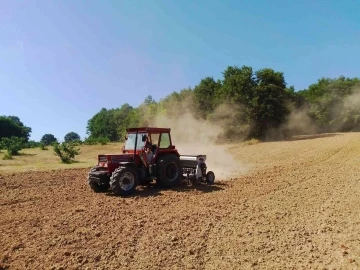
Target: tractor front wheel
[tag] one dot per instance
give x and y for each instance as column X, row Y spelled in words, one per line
column 96, row 187
column 123, row 181
column 169, row 171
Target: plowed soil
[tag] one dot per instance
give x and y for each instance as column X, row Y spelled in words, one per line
column 298, row 207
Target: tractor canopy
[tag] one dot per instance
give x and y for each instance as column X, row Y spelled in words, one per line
column 138, row 138
column 148, row 130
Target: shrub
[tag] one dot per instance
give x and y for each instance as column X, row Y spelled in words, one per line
column 66, row 152
column 251, row 141
column 43, row 146
column 93, row 141
column 90, row 141
column 77, row 142
column 7, row 156
column 13, row 145
column 103, row 141
column 32, row 144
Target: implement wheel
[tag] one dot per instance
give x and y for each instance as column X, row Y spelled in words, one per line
column 210, row 177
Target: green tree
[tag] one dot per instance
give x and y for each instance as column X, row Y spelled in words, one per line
column 102, row 125
column 233, row 102
column 149, row 100
column 124, row 117
column 48, row 139
column 295, row 98
column 146, row 112
column 11, row 126
column 269, row 102
column 111, row 124
column 237, row 86
column 176, row 104
column 204, row 95
column 71, row 137
column 259, row 101
column 334, row 103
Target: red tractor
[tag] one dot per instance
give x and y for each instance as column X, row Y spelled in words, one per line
column 148, row 154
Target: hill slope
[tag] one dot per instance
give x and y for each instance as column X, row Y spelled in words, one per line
column 297, row 206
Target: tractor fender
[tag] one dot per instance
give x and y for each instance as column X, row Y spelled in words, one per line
column 161, row 154
column 141, row 172
column 127, row 164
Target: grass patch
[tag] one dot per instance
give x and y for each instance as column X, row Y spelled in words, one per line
column 35, row 159
column 7, row 156
column 251, row 142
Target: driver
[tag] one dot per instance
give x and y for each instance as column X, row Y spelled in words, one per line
column 147, row 142
column 149, row 155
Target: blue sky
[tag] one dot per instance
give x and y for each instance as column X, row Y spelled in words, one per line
column 62, row 61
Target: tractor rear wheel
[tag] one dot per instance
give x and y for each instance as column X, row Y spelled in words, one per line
column 123, row 181
column 169, row 171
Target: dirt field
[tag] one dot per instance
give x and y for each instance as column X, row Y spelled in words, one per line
column 297, row 208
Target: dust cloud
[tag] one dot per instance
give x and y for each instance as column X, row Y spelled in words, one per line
column 298, row 122
column 343, row 114
column 193, row 136
column 349, row 110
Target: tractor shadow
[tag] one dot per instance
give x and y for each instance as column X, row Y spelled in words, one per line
column 153, row 190
column 203, row 188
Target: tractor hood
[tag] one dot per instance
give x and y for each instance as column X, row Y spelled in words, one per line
column 117, row 158
column 111, row 161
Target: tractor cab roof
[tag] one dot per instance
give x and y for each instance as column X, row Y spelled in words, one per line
column 148, row 129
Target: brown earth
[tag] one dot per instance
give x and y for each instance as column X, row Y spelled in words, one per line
column 298, row 208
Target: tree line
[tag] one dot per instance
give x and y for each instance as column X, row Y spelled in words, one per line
column 15, row 136
column 12, row 127
column 245, row 103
